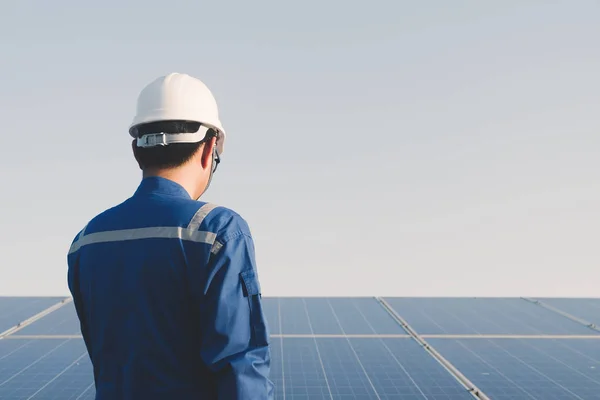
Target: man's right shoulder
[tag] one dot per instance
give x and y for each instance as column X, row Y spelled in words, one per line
column 98, row 217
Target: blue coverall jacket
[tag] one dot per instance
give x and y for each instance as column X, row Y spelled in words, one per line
column 168, row 297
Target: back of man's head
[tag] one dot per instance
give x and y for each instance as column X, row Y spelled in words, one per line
column 165, row 157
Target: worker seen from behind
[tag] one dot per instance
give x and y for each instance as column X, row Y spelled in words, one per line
column 165, row 285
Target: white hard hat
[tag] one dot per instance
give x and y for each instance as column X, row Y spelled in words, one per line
column 178, row 97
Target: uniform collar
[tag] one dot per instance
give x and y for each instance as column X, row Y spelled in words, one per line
column 159, row 185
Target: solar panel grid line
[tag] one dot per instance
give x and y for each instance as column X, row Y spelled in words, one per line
column 499, row 372
column 362, row 314
column 469, row 325
column 539, row 372
column 61, row 373
column 12, row 351
column 403, row 368
column 561, row 362
column 565, row 314
column 353, row 350
column 281, row 349
column 470, row 386
column 583, row 355
column 515, row 308
column 32, row 364
column 35, row 317
column 318, row 352
column 90, row 386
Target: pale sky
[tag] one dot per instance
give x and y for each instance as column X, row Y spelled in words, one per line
column 396, row 148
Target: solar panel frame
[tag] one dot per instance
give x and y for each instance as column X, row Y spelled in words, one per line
column 63, row 321
column 328, row 316
column 43, row 368
column 587, row 309
column 511, row 316
column 541, row 369
column 359, row 368
column 14, row 310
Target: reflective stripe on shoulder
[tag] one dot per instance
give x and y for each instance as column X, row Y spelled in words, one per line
column 159, row 232
column 216, row 247
column 200, row 215
column 82, row 233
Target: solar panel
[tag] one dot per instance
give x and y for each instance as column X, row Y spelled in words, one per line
column 44, row 369
column 14, row 310
column 63, row 321
column 297, row 315
column 293, row 317
column 311, row 368
column 330, row 348
column 483, row 316
column 588, row 309
column 401, row 368
column 359, row 368
column 336, row 316
column 515, row 369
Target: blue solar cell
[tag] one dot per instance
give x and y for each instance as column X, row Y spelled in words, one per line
column 301, row 368
column 345, row 373
column 294, row 317
column 284, row 315
column 483, row 316
column 14, row 310
column 401, row 368
column 544, row 369
column 63, row 321
column 359, row 368
column 44, row 369
column 322, row 316
column 73, row 383
column 271, row 307
column 364, row 316
column 329, row 316
column 587, row 309
column 277, row 366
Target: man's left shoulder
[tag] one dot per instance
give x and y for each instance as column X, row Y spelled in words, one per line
column 225, row 222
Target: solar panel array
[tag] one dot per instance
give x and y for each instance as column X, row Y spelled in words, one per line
column 354, row 348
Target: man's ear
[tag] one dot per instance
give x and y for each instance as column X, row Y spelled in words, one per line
column 133, row 148
column 207, row 153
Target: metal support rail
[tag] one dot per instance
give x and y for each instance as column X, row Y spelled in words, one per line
column 470, row 386
column 563, row 313
column 37, row 316
column 503, row 336
column 374, row 336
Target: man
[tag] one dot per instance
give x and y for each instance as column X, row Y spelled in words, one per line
column 165, row 286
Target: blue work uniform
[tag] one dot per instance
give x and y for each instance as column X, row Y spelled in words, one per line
column 169, row 301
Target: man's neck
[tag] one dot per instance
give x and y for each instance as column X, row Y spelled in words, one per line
column 177, row 175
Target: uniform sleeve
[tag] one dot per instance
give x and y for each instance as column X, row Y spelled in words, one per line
column 73, row 283
column 235, row 342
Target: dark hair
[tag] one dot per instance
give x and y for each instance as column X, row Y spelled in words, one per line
column 172, row 155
